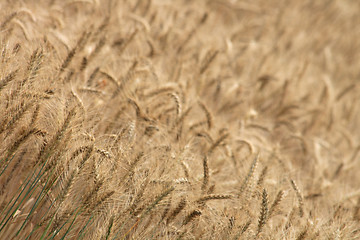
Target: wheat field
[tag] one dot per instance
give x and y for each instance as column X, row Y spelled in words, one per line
column 206, row 119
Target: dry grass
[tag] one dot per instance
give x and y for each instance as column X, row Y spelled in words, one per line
column 209, row 119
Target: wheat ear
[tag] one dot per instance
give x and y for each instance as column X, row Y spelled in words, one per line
column 213, row 197
column 8, row 19
column 263, row 212
column 5, row 81
column 209, row 118
column 262, row 176
column 299, row 198
column 181, row 205
column 217, row 143
column 209, row 58
column 206, row 173
column 157, row 200
column 276, row 202
column 191, row 216
column 250, row 174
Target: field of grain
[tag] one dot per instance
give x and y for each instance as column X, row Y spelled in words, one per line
column 206, row 119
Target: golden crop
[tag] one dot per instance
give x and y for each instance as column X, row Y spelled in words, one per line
column 206, row 119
